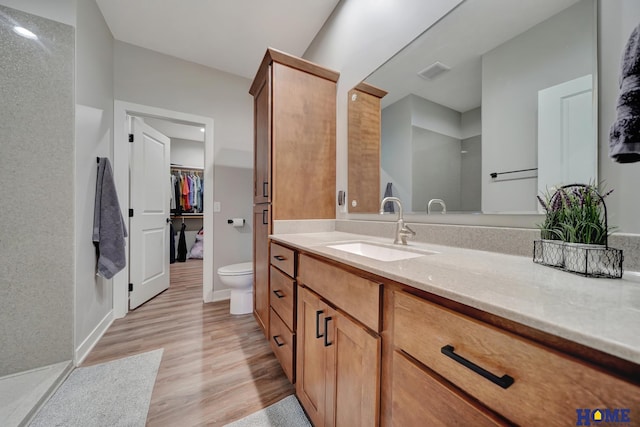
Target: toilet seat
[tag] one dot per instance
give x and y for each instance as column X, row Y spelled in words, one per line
column 240, row 269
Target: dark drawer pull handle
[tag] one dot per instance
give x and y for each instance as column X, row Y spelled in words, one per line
column 318, row 334
column 505, row 381
column 279, row 293
column 265, row 217
column 278, row 343
column 280, row 258
column 265, row 189
column 326, row 332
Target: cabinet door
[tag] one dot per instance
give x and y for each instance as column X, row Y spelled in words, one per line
column 311, row 364
column 261, row 231
column 262, row 141
column 303, row 145
column 353, row 369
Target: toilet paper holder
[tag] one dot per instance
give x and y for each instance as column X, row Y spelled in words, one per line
column 237, row 222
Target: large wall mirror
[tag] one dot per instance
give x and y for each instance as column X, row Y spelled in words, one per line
column 493, row 104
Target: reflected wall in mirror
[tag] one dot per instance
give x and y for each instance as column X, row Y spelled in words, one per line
column 483, row 109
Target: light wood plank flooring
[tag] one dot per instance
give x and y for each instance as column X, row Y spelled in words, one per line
column 215, row 369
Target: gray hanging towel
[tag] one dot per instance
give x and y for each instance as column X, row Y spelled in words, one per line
column 624, row 136
column 109, row 229
column 388, row 192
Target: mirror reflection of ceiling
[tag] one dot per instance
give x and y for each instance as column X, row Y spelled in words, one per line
column 472, row 29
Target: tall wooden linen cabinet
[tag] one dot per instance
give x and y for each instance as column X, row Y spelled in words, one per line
column 294, row 154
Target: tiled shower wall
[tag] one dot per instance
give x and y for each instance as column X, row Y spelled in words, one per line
column 36, row 192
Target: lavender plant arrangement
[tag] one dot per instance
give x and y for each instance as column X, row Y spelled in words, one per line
column 575, row 232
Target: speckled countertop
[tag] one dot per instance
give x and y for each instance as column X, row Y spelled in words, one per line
column 603, row 314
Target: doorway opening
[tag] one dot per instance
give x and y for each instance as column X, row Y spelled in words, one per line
column 181, row 127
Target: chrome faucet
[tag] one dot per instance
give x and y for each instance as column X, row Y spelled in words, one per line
column 402, row 230
column 439, row 201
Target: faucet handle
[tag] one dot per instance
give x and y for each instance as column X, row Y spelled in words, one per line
column 405, row 232
column 407, row 228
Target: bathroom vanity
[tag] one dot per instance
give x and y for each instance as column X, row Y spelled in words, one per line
column 456, row 336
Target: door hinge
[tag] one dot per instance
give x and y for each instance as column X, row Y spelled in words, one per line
column 130, row 213
column 130, row 137
column 130, row 287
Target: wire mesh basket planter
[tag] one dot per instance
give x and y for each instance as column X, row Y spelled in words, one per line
column 589, row 260
column 586, row 260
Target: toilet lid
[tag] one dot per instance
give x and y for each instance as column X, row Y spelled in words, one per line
column 236, row 269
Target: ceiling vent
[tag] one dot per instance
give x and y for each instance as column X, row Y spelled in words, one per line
column 433, row 70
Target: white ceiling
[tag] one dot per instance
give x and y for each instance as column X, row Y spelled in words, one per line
column 229, row 35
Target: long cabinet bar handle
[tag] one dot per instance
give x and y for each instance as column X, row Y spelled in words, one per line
column 505, row 381
column 278, row 343
column 280, row 258
column 265, row 187
column 318, row 334
column 279, row 293
column 265, row 217
column 326, row 331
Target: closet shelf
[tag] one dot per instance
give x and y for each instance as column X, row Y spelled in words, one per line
column 188, row 215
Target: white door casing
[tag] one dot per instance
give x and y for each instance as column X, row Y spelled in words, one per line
column 121, row 166
column 567, row 145
column 150, row 201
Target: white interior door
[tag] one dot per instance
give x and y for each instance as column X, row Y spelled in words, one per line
column 567, row 150
column 149, row 226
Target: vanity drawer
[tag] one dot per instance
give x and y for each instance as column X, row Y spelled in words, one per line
column 353, row 294
column 548, row 387
column 445, row 405
column 283, row 296
column 283, row 258
column 282, row 343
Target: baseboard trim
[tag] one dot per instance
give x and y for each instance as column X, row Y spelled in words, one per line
column 45, row 397
column 87, row 345
column 221, row 295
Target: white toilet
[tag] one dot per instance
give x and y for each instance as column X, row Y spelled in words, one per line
column 239, row 278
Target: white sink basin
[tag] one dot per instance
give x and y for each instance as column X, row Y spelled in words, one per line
column 380, row 253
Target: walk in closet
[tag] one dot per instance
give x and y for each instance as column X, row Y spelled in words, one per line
column 187, row 208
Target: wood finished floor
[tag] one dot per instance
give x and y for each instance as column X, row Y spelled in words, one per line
column 216, row 368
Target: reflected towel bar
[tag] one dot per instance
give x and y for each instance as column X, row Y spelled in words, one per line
column 495, row 174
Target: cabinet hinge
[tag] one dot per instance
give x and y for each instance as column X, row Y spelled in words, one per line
column 130, row 137
column 130, row 213
column 130, row 287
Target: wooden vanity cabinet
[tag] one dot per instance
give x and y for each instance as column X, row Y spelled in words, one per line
column 294, row 151
column 501, row 374
column 338, row 357
column 372, row 351
column 282, row 313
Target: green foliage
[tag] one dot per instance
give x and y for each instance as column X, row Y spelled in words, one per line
column 575, row 214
